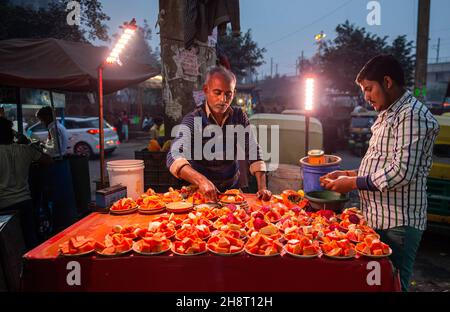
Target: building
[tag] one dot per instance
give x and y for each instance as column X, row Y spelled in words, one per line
column 438, row 77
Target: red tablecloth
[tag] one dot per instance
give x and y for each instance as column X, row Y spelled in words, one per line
column 44, row 270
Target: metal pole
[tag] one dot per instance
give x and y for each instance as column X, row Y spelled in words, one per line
column 100, row 125
column 438, row 48
column 306, row 133
column 55, row 120
column 19, row 112
column 423, row 27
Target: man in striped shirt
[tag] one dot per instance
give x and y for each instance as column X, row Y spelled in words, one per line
column 392, row 177
column 211, row 123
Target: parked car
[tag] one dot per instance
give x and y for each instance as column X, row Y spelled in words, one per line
column 83, row 135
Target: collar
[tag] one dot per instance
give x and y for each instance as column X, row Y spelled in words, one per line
column 209, row 114
column 393, row 107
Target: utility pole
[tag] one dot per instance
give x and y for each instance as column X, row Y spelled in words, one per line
column 271, row 67
column 276, row 70
column 301, row 64
column 438, row 48
column 179, row 65
column 423, row 28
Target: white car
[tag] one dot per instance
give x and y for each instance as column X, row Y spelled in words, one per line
column 83, row 135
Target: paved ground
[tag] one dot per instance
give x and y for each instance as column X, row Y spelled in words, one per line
column 432, row 268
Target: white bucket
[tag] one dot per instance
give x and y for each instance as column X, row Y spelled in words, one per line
column 129, row 173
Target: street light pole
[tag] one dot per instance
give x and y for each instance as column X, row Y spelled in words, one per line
column 113, row 58
column 100, row 125
column 306, row 133
column 309, row 100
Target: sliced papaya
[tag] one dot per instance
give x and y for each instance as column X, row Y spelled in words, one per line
column 336, row 252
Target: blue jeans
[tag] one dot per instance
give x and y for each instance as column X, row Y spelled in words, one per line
column 404, row 242
column 125, row 132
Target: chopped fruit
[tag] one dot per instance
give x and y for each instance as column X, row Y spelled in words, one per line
column 189, row 246
column 229, row 218
column 196, row 218
column 197, row 199
column 128, row 231
column 339, row 248
column 291, row 197
column 372, row 246
column 273, row 215
column 172, row 218
column 172, row 196
column 206, row 212
column 232, row 196
column 336, row 235
column 188, row 230
column 263, row 245
column 152, row 202
column 153, row 244
column 302, row 246
column 150, row 192
column 225, row 243
column 123, row 204
column 165, row 227
column 116, row 244
column 79, row 245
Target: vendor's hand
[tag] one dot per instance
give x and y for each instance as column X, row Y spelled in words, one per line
column 342, row 184
column 334, row 175
column 208, row 189
column 264, row 194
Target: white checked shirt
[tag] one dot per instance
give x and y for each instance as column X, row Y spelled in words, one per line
column 398, row 161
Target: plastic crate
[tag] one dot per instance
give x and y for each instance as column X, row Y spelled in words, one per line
column 438, row 196
column 156, row 174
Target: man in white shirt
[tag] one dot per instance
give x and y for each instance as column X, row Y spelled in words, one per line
column 52, row 146
column 15, row 161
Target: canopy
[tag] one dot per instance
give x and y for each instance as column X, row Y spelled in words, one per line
column 64, row 66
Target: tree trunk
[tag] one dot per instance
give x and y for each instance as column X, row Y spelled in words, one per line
column 183, row 71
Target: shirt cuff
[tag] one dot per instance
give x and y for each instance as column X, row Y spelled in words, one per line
column 257, row 166
column 177, row 165
column 364, row 183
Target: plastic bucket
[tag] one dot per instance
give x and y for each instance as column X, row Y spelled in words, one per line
column 129, row 173
column 312, row 172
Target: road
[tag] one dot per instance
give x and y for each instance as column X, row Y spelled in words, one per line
column 432, row 267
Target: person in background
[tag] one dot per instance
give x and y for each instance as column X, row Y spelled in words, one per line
column 118, row 125
column 147, row 123
column 392, row 177
column 155, row 131
column 125, row 125
column 162, row 133
column 15, row 161
column 52, row 146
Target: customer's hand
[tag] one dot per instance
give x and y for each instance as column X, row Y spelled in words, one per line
column 208, row 189
column 264, row 194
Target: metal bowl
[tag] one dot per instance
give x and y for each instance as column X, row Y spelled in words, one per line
column 327, row 200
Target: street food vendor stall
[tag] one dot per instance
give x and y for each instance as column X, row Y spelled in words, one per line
column 178, row 242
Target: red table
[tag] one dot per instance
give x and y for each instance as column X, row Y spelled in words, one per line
column 44, row 270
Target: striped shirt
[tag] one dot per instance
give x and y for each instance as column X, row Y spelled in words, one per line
column 221, row 171
column 397, row 164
